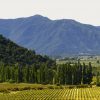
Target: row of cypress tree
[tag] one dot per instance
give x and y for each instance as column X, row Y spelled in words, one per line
column 73, row 74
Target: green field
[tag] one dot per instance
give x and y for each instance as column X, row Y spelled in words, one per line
column 47, row 92
column 95, row 60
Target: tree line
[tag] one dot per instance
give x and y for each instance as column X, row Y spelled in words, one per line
column 72, row 74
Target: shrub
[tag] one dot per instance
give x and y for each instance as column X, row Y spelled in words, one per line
column 61, row 87
column 11, row 81
column 26, row 88
column 4, row 91
column 40, row 88
column 14, row 89
column 50, row 87
column 58, row 84
column 98, row 84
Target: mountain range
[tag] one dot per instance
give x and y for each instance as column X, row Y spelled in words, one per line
column 52, row 37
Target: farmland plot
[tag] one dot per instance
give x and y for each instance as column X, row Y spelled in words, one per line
column 54, row 94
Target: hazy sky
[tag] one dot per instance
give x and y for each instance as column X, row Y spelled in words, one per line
column 85, row 11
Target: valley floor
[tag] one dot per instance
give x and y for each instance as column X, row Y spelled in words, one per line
column 50, row 94
column 54, row 94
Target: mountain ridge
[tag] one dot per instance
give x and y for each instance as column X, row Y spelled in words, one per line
column 52, row 37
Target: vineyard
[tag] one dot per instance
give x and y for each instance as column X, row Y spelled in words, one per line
column 54, row 94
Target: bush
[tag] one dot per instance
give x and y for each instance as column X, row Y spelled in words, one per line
column 71, row 86
column 50, row 87
column 5, row 91
column 14, row 89
column 40, row 88
column 98, row 84
column 61, row 87
column 58, row 84
column 26, row 88
column 84, row 86
column 93, row 83
column 56, row 87
column 11, row 81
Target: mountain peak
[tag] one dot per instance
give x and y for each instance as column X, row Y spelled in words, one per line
column 38, row 17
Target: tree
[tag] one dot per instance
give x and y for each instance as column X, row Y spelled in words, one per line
column 98, row 79
column 84, row 75
column 89, row 73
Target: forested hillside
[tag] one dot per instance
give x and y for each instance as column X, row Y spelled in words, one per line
column 11, row 53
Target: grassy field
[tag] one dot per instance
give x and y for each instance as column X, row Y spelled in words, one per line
column 47, row 92
column 93, row 62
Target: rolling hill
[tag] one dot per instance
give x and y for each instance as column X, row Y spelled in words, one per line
column 52, row 37
column 11, row 54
